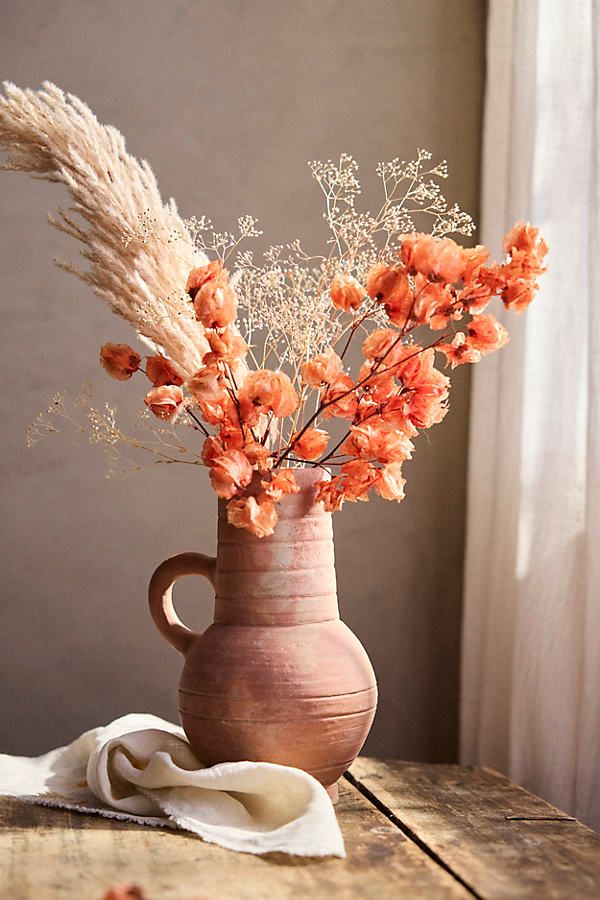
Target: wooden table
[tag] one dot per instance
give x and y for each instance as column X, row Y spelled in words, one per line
column 412, row 831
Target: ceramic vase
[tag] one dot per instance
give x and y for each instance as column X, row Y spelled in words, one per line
column 277, row 677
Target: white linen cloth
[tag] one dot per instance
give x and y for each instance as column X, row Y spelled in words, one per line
column 142, row 769
column 531, row 621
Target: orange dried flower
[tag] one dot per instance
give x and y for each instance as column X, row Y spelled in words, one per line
column 377, row 441
column 311, row 444
column 161, row 370
column 211, row 449
column 119, row 360
column 206, row 385
column 523, row 236
column 257, row 516
column 199, row 277
column 417, row 368
column 518, row 294
column 232, row 436
column 230, row 472
column 433, row 304
column 340, row 398
column 265, row 390
column 423, row 401
column 384, row 344
column 523, row 264
column 440, row 259
column 226, row 346
column 359, row 478
column 165, row 401
column 215, row 304
column 390, row 483
column 474, row 297
column 258, row 455
column 427, row 406
column 486, row 334
column 377, row 382
column 459, row 351
column 527, row 251
column 346, row 292
column 322, row 369
column 331, row 494
column 473, row 258
column 221, row 412
column 284, row 482
column 388, row 284
column 397, row 412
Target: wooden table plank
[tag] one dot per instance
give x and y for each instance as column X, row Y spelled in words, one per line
column 501, row 841
column 49, row 854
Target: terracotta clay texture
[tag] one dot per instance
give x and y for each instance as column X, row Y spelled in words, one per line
column 277, row 677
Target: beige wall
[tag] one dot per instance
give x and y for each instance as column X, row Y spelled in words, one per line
column 227, row 100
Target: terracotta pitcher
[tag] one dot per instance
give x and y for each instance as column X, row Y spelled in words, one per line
column 277, row 677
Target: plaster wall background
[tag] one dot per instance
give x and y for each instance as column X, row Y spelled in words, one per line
column 227, row 101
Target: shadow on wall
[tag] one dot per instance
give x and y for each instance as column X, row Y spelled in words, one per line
column 227, row 101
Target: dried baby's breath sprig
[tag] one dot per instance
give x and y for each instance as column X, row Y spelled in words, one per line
column 49, row 421
column 411, row 192
column 153, row 443
column 286, row 309
column 163, row 443
column 415, row 183
column 219, row 244
column 285, row 302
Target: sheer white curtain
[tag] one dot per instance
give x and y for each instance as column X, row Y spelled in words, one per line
column 531, row 634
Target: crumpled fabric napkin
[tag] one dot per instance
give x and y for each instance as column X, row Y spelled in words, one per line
column 142, row 769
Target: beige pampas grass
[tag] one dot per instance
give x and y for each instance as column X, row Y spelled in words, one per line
column 115, row 202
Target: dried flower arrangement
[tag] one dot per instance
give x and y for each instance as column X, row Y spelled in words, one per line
column 255, row 361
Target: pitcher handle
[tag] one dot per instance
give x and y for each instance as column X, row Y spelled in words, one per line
column 161, row 600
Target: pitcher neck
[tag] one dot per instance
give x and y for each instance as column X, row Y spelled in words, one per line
column 287, row 578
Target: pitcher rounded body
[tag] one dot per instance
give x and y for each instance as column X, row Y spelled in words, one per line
column 277, row 677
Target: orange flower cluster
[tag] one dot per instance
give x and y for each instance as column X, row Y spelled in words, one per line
column 214, row 301
column 165, row 399
column 397, row 392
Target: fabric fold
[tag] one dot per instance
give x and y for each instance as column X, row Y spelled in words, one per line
column 141, row 768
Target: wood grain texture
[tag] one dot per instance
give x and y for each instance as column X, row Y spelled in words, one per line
column 501, row 841
column 50, row 854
